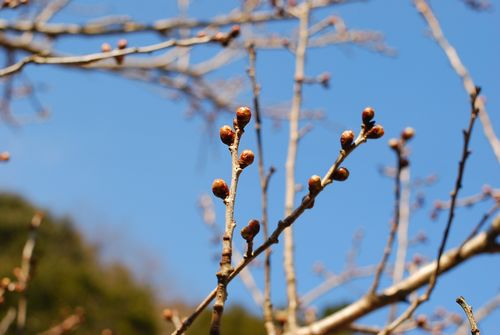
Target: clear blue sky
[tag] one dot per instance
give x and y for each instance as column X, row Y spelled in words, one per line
column 125, row 162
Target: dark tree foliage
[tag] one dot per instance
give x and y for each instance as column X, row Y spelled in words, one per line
column 67, row 275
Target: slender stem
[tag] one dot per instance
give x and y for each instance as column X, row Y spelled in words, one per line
column 289, row 265
column 461, row 70
column 404, row 222
column 394, row 228
column 470, row 316
column 227, row 239
column 264, row 182
column 451, row 214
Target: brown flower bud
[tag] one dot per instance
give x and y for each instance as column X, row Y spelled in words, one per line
column 227, row 135
column 122, row 44
column 393, row 143
column 235, row 31
column 4, row 156
column 341, row 174
column 314, row 184
column 220, row 189
column 421, row 321
column 367, row 115
column 408, row 133
column 250, row 230
column 377, row 131
column 168, row 314
column 243, row 116
column 246, row 158
column 105, row 47
column 346, row 139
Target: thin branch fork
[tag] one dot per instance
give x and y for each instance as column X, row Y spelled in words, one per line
column 454, row 196
column 457, row 65
column 91, row 58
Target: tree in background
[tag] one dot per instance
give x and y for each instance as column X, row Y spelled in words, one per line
column 398, row 282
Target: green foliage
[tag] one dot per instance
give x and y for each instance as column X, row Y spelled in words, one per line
column 67, row 275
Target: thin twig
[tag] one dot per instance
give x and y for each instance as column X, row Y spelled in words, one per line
column 470, row 316
column 454, row 194
column 227, row 240
column 264, row 183
column 91, row 58
column 481, row 313
column 288, row 262
column 461, row 70
column 25, row 273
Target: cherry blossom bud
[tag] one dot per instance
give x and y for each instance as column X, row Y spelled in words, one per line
column 367, row 115
column 377, row 131
column 314, row 184
column 227, row 135
column 246, row 158
column 243, row 116
column 220, row 189
column 346, row 139
column 341, row 174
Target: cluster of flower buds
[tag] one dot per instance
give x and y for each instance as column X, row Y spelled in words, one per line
column 372, row 130
column 122, row 44
column 225, row 38
column 250, row 230
column 398, row 145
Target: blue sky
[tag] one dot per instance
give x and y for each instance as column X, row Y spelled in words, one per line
column 125, row 162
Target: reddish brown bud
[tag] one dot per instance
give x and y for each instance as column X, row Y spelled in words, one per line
column 377, row 131
column 168, row 314
column 251, row 230
column 393, row 143
column 314, row 184
column 235, row 31
column 122, row 44
column 367, row 115
column 346, row 139
column 227, row 135
column 421, row 320
column 407, row 133
column 220, row 189
column 341, row 174
column 246, row 158
column 105, row 47
column 243, row 116
column 4, row 156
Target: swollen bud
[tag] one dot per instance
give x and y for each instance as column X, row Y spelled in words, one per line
column 220, row 189
column 243, row 116
column 367, row 115
column 168, row 314
column 122, row 44
column 314, row 184
column 377, row 131
column 393, row 144
column 250, row 230
column 408, row 133
column 105, row 47
column 346, row 139
column 4, row 156
column 246, row 158
column 226, row 135
column 341, row 174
